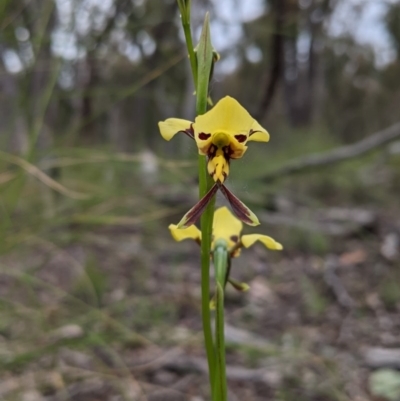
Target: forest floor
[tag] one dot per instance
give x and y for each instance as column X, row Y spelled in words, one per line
column 99, row 303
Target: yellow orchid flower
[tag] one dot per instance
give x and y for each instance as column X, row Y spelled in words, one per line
column 221, row 134
column 226, row 227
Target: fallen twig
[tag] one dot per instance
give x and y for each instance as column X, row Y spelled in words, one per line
column 335, row 221
column 176, row 361
column 185, row 364
column 376, row 357
column 337, row 155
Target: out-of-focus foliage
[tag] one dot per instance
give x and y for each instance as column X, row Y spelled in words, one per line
column 87, row 72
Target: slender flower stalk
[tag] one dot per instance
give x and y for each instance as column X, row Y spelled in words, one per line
column 204, row 63
column 221, row 135
column 221, row 262
column 201, row 65
column 184, row 8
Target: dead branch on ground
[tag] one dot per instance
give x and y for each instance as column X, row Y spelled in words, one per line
column 175, row 360
column 376, row 357
column 337, row 155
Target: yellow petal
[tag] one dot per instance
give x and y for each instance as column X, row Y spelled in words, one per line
column 228, row 117
column 180, row 234
column 260, row 134
column 203, row 142
column 170, row 127
column 249, row 240
column 226, row 226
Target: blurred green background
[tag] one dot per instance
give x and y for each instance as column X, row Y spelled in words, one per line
column 96, row 300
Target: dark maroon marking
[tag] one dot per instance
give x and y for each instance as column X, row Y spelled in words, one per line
column 252, row 131
column 241, row 138
column 189, row 132
column 234, row 238
column 212, row 150
column 204, row 136
column 227, row 152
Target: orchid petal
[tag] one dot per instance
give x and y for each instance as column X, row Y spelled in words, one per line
column 226, row 116
column 180, row 234
column 197, row 210
column 226, row 226
column 270, row 243
column 170, row 127
column 258, row 133
column 239, row 208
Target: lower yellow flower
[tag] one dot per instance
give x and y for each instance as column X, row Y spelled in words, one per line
column 228, row 228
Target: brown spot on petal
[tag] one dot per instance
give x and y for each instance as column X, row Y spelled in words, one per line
column 234, row 238
column 204, row 136
column 211, row 151
column 241, row 138
column 253, row 131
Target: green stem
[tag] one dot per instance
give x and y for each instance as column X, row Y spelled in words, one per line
column 204, row 55
column 206, row 231
column 201, row 64
column 221, row 263
column 184, row 8
column 192, row 55
column 206, row 222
